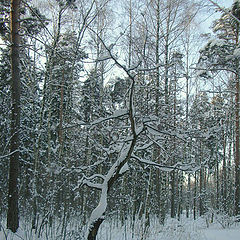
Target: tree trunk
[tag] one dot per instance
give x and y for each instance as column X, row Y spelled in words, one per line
column 201, row 211
column 13, row 212
column 237, row 174
column 224, row 173
column 188, row 204
column 237, row 170
column 217, row 186
column 195, row 197
column 93, row 231
column 156, row 151
column 114, row 173
column 173, row 192
column 188, row 196
column 130, row 35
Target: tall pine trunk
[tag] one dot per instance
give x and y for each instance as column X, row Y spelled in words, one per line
column 237, row 154
column 237, row 174
column 13, row 212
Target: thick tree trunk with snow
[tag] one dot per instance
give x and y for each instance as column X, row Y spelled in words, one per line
column 117, row 170
column 94, row 230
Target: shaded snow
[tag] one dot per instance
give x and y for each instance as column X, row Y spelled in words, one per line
column 185, row 229
column 221, row 234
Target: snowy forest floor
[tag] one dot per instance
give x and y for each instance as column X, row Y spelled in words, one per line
column 223, row 228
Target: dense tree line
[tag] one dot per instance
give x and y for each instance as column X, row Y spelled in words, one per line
column 121, row 117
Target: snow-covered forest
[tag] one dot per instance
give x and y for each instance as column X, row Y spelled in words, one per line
column 119, row 120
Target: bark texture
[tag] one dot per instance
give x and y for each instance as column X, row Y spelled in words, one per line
column 13, row 212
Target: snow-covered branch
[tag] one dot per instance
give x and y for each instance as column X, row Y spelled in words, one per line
column 9, row 154
column 94, row 176
column 117, row 114
column 92, row 185
column 178, row 166
column 155, row 131
column 120, row 166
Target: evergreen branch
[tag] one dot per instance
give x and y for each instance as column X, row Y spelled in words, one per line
column 221, row 9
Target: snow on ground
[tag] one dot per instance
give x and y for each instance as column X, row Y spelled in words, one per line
column 185, row 229
column 222, row 234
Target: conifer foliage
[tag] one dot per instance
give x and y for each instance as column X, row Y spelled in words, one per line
column 105, row 117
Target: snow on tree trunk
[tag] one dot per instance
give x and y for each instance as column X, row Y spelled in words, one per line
column 116, row 171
